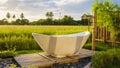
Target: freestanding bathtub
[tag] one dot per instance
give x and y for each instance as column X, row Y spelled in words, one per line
column 62, row 45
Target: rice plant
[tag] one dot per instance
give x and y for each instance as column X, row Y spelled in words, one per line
column 21, row 36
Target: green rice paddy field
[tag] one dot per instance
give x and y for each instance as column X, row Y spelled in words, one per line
column 21, row 36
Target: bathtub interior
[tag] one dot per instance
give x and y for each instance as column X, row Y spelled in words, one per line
column 72, row 35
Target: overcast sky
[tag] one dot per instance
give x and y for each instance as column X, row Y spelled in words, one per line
column 36, row 9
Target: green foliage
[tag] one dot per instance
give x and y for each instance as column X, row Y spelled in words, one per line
column 8, row 15
column 31, row 67
column 21, row 42
column 20, row 22
column 22, row 16
column 28, row 51
column 39, row 22
column 105, row 12
column 4, row 21
column 107, row 59
column 66, row 20
column 11, row 66
column 49, row 15
column 14, row 16
column 7, row 53
column 108, row 16
column 100, row 46
column 14, row 66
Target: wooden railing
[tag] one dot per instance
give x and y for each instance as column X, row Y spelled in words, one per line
column 102, row 34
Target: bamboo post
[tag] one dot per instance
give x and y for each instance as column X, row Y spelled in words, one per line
column 94, row 30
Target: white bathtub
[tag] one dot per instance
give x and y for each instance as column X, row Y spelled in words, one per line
column 62, row 45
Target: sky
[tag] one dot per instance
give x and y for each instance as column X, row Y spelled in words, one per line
column 36, row 9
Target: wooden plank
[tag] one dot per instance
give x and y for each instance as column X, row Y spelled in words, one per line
column 59, row 60
column 32, row 59
column 45, row 60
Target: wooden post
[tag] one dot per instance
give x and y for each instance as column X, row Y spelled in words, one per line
column 94, row 30
column 104, row 35
column 88, row 25
column 98, row 33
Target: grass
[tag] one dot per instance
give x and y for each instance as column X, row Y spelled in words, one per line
column 100, row 46
column 21, row 36
column 28, row 51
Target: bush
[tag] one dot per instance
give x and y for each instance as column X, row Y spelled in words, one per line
column 10, row 52
column 107, row 59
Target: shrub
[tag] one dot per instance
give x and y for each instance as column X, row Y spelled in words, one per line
column 10, row 52
column 107, row 59
column 12, row 66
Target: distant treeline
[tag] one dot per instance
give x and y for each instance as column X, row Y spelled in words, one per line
column 66, row 20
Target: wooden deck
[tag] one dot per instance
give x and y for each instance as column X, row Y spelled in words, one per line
column 44, row 60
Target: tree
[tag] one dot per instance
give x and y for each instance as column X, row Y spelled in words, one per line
column 17, row 22
column 22, row 16
column 42, row 22
column 24, row 22
column 14, row 17
column 4, row 22
column 57, row 22
column 108, row 16
column 67, row 20
column 49, row 16
column 8, row 15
